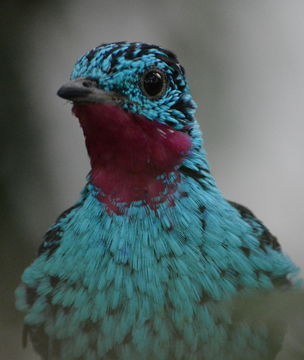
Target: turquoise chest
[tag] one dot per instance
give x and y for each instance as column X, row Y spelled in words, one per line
column 151, row 282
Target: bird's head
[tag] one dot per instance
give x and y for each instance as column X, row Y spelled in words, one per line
column 137, row 114
column 140, row 78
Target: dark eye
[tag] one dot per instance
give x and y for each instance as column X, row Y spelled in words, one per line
column 153, row 83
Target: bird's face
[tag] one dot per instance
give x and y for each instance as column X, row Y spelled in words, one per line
column 139, row 78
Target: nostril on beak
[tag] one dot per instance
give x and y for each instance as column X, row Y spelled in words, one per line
column 89, row 83
column 84, row 90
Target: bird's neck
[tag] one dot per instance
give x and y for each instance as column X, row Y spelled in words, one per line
column 132, row 158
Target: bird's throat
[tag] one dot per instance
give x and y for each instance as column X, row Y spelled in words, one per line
column 132, row 158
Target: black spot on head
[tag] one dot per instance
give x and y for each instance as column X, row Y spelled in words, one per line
column 173, row 60
column 114, row 44
column 164, row 55
column 169, row 54
column 114, row 60
column 186, row 130
column 183, row 106
column 172, row 63
column 180, row 105
column 120, row 42
column 205, row 170
column 143, row 48
column 129, row 54
column 112, row 48
column 170, row 123
column 90, row 54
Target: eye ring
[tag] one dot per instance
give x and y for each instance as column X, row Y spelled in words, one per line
column 153, row 83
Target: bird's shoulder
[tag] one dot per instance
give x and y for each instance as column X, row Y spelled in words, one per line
column 52, row 238
column 266, row 239
column 260, row 231
column 264, row 236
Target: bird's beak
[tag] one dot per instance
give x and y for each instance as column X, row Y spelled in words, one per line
column 84, row 90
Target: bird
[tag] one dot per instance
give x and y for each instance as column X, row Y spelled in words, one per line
column 152, row 262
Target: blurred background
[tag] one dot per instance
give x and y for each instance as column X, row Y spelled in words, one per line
column 244, row 62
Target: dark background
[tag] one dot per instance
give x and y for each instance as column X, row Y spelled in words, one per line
column 244, row 61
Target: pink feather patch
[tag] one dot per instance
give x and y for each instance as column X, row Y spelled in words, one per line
column 128, row 152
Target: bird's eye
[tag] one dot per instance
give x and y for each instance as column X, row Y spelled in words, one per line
column 153, row 83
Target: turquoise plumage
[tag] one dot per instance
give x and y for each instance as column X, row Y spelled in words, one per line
column 151, row 262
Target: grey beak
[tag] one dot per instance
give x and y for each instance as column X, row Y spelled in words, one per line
column 75, row 89
column 84, row 90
